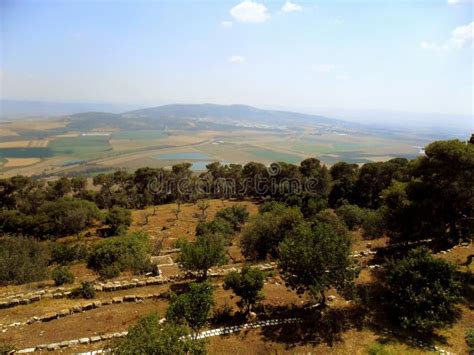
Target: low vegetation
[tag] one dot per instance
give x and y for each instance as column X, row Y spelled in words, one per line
column 422, row 291
column 192, row 308
column 62, row 275
column 114, row 255
column 247, row 284
column 22, row 260
column 207, row 251
column 149, row 336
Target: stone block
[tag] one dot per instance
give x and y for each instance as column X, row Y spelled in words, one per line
column 129, row 298
column 117, row 300
column 53, row 346
column 64, row 312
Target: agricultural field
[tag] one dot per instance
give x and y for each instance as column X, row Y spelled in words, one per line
column 51, row 148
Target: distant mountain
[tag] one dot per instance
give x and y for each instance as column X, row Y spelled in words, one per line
column 11, row 109
column 199, row 116
column 231, row 114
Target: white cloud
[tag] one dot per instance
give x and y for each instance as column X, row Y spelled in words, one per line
column 249, row 11
column 227, row 24
column 236, row 59
column 460, row 37
column 291, row 7
column 453, row 2
column 324, row 68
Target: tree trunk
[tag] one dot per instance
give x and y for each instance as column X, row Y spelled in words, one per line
column 323, row 298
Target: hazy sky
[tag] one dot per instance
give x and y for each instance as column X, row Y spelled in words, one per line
column 402, row 55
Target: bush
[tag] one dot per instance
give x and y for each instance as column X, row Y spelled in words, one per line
column 329, row 217
column 86, row 290
column 316, row 258
column 352, row 215
column 110, row 271
column 148, row 336
column 192, row 308
column 422, row 290
column 236, row 216
column 67, row 216
column 373, row 225
column 247, row 284
column 217, row 226
column 62, row 275
column 470, row 339
column 118, row 219
column 22, row 260
column 6, row 348
column 66, row 254
column 116, row 254
column 207, row 251
column 268, row 229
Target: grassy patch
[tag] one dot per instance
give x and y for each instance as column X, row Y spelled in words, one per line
column 82, row 146
column 329, row 148
column 25, row 153
column 140, row 135
column 274, row 156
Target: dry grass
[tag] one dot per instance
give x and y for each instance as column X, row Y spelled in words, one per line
column 37, row 125
column 20, row 162
column 164, row 224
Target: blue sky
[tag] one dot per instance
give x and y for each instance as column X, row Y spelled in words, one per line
column 414, row 56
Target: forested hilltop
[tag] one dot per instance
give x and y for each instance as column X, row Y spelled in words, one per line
column 310, row 219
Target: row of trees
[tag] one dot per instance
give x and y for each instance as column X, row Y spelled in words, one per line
column 428, row 196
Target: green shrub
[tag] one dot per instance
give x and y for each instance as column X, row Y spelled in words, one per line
column 423, row 291
column 352, row 215
column 373, row 225
column 236, row 216
column 268, row 229
column 114, row 255
column 86, row 290
column 207, row 251
column 62, row 275
column 22, row 260
column 66, row 254
column 328, row 216
column 193, row 307
column 148, row 336
column 67, row 216
column 470, row 339
column 6, row 348
column 118, row 220
column 247, row 284
column 217, row 226
column 110, row 271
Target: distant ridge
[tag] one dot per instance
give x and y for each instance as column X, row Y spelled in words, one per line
column 201, row 116
column 236, row 112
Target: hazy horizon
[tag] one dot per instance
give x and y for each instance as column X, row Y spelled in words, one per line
column 412, row 57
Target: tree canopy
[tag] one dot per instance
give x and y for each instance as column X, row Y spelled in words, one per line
column 316, row 258
column 421, row 290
